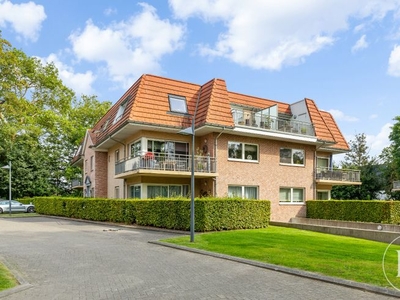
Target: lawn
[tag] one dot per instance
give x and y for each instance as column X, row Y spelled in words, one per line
column 338, row 256
column 18, row 215
column 7, row 280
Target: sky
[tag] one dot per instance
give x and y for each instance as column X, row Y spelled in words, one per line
column 345, row 55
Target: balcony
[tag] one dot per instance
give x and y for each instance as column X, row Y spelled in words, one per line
column 77, row 183
column 338, row 176
column 258, row 120
column 396, row 186
column 161, row 164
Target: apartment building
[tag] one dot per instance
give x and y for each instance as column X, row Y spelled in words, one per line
column 244, row 146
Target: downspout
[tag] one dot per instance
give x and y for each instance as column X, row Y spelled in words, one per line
column 216, row 161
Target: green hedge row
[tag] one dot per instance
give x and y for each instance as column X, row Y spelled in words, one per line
column 355, row 210
column 210, row 213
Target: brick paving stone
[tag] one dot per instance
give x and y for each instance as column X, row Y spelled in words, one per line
column 64, row 259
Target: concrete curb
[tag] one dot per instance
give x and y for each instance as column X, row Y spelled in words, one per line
column 296, row 272
column 23, row 284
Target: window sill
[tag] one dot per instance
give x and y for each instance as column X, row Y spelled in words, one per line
column 243, row 160
column 292, row 203
column 291, row 165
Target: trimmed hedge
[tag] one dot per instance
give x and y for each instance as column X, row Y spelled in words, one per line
column 210, row 213
column 355, row 210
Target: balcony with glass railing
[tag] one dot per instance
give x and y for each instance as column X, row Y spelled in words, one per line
column 168, row 164
column 338, row 175
column 77, row 183
column 260, row 120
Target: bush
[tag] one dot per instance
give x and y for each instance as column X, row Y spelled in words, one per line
column 355, row 210
column 210, row 213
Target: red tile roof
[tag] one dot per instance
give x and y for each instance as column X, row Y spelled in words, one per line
column 148, row 104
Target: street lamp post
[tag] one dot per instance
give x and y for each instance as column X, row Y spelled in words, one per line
column 190, row 131
column 9, row 184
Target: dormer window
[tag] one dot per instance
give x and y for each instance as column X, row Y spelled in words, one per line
column 177, row 104
column 121, row 110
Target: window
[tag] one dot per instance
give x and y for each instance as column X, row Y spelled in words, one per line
column 245, row 192
column 291, row 156
column 177, row 104
column 291, row 195
column 168, row 148
column 154, row 191
column 121, row 110
column 241, row 151
column 136, row 192
column 91, row 163
column 323, row 163
column 136, row 149
column 323, row 195
column 116, row 192
column 116, row 156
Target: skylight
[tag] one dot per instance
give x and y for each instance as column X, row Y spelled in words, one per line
column 177, row 104
column 121, row 110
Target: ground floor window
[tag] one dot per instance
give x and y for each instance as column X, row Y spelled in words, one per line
column 167, row 191
column 323, row 195
column 116, row 192
column 291, row 195
column 245, row 192
column 136, row 192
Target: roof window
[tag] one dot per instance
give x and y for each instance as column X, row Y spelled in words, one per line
column 177, row 104
column 121, row 110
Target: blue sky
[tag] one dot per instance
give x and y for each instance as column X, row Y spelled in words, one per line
column 343, row 54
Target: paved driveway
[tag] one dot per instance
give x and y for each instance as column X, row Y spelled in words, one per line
column 65, row 259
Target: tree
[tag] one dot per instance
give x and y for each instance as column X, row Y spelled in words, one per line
column 370, row 172
column 41, row 124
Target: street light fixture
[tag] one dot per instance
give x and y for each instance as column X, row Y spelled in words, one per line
column 9, row 184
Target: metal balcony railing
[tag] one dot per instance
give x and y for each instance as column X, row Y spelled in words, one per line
column 166, row 162
column 267, row 122
column 396, row 186
column 338, row 175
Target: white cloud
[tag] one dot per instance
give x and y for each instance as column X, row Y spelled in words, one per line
column 373, row 116
column 129, row 48
column 360, row 44
column 394, row 62
column 25, row 18
column 273, row 34
column 376, row 143
column 110, row 11
column 81, row 83
column 340, row 116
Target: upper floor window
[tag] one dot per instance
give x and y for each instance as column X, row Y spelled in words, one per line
column 121, row 110
column 245, row 192
column 291, row 156
column 91, row 163
column 291, row 195
column 116, row 155
column 177, row 104
column 242, row 151
column 136, row 149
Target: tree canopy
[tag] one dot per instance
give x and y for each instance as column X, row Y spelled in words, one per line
column 41, row 124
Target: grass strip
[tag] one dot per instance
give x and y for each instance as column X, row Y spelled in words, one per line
column 7, row 280
column 331, row 255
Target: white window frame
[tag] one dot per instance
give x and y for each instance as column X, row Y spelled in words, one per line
column 292, row 163
column 291, row 201
column 177, row 104
column 121, row 111
column 243, row 149
column 243, row 191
